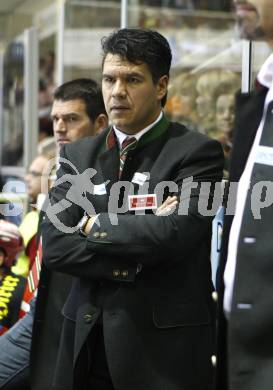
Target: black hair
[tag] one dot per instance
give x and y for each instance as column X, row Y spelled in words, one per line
column 141, row 46
column 86, row 90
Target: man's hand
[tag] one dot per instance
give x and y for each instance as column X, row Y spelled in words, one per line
column 89, row 224
column 168, row 206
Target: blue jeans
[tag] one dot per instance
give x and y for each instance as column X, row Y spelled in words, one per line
column 15, row 349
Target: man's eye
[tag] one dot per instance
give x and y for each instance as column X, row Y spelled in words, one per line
column 71, row 118
column 133, row 80
column 108, row 79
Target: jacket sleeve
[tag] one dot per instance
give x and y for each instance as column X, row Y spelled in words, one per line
column 64, row 248
column 127, row 240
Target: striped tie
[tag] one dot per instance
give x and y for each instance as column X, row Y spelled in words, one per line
column 127, row 144
column 33, row 281
column 34, row 273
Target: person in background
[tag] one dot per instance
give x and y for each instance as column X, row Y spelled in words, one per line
column 17, row 338
column 224, row 118
column 245, row 343
column 180, row 106
column 140, row 313
column 225, row 113
column 11, row 285
column 77, row 112
column 29, row 225
column 209, row 86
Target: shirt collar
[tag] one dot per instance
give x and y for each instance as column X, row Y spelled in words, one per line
column 121, row 136
column 265, row 75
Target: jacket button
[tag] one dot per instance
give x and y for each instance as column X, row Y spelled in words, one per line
column 116, row 273
column 215, row 296
column 103, row 235
column 124, row 274
column 96, row 235
column 88, row 318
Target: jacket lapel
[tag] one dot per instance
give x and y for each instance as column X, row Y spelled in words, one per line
column 109, row 164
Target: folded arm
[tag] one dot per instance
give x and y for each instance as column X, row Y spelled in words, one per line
column 148, row 239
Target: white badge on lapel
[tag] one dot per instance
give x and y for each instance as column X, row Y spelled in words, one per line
column 139, row 178
column 99, row 189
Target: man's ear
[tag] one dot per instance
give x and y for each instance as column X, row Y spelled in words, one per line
column 100, row 123
column 162, row 86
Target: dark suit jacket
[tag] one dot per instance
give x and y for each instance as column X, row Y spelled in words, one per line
column 53, row 290
column 249, row 109
column 52, row 293
column 157, row 323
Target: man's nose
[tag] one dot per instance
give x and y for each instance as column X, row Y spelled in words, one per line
column 119, row 89
column 60, row 125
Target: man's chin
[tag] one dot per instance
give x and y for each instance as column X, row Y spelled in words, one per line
column 119, row 124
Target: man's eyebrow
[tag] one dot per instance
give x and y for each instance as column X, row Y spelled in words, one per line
column 65, row 115
column 107, row 75
column 126, row 74
column 134, row 74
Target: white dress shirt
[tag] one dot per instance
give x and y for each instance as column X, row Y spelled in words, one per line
column 265, row 77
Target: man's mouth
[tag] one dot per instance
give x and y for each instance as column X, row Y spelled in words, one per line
column 63, row 141
column 119, row 108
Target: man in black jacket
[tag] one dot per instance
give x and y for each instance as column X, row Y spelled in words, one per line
column 245, row 347
column 140, row 314
column 77, row 112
